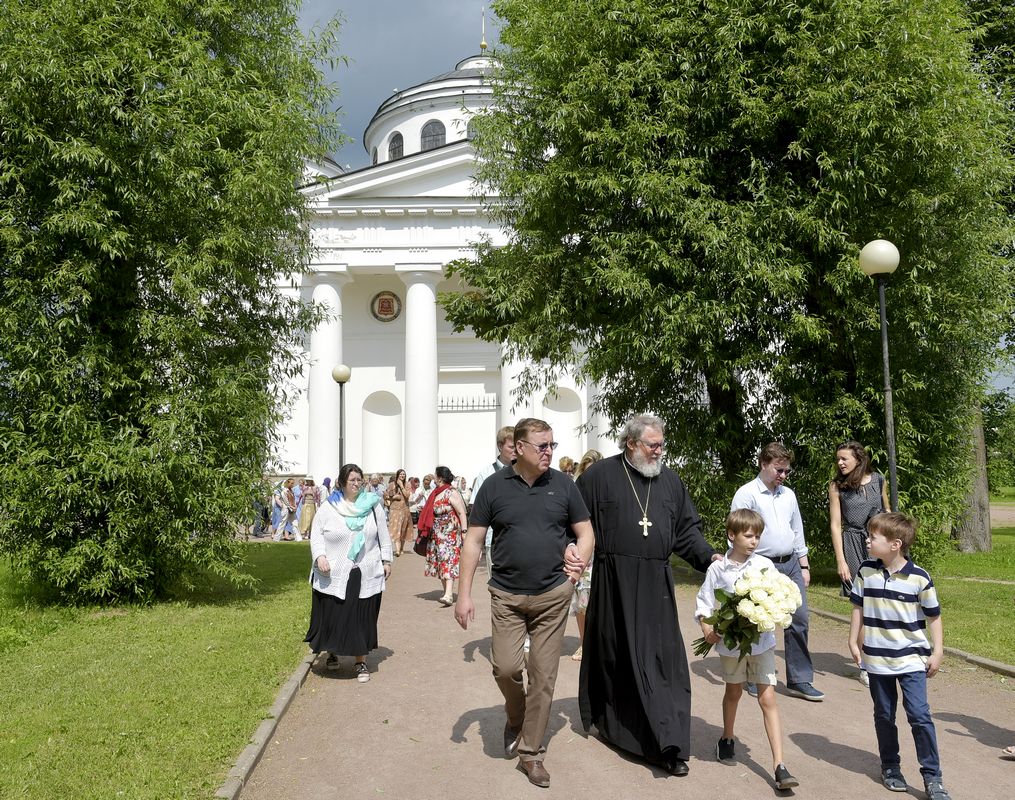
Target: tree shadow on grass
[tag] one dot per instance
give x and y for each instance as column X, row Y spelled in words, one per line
column 274, row 567
column 271, row 567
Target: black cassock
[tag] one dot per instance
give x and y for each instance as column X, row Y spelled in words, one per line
column 634, row 685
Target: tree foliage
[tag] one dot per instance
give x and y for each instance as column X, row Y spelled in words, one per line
column 149, row 154
column 999, row 437
column 687, row 187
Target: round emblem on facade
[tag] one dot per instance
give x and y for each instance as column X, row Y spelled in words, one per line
column 386, row 306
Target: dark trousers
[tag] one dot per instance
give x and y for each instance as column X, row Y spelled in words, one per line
column 885, row 694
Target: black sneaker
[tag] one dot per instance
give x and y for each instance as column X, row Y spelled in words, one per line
column 783, row 780
column 725, row 752
column 892, row 778
column 362, row 672
column 936, row 790
column 332, row 662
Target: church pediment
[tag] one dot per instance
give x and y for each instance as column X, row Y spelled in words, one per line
column 445, row 172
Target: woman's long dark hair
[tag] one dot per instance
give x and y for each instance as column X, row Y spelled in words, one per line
column 853, row 480
column 444, row 475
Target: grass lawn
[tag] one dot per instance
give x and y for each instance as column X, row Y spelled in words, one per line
column 978, row 616
column 152, row 702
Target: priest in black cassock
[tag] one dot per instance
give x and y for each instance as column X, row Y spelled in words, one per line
column 634, row 685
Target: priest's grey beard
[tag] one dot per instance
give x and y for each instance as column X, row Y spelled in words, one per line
column 640, row 462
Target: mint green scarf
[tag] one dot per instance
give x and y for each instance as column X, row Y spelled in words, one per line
column 355, row 518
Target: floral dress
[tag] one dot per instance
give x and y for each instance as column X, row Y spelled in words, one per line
column 445, row 546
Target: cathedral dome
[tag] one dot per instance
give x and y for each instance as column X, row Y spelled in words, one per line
column 430, row 114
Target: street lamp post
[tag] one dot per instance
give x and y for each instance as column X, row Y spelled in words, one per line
column 880, row 258
column 341, row 374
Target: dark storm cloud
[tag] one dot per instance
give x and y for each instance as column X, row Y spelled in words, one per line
column 391, row 45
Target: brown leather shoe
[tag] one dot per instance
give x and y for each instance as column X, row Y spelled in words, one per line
column 537, row 773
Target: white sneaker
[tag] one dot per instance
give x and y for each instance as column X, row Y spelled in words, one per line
column 362, row 673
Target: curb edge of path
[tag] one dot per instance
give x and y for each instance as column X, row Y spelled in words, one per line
column 238, row 774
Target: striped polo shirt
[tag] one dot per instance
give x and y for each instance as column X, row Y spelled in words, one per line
column 895, row 610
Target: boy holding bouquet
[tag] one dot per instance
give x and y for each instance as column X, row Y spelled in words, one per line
column 894, row 605
column 745, row 638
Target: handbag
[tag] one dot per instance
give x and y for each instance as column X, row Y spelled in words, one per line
column 422, row 540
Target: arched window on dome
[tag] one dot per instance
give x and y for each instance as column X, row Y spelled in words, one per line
column 432, row 136
column 373, row 157
column 395, row 146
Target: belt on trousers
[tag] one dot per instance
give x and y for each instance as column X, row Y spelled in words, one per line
column 781, row 559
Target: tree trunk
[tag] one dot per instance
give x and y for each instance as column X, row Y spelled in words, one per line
column 974, row 527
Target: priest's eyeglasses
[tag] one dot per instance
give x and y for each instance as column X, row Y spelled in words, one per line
column 655, row 447
column 542, row 448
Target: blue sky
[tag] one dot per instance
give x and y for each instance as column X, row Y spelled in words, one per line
column 394, row 44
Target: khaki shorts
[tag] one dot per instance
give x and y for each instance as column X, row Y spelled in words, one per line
column 755, row 669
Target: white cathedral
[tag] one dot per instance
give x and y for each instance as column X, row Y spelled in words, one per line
column 419, row 394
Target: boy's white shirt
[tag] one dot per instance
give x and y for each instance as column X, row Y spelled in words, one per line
column 723, row 574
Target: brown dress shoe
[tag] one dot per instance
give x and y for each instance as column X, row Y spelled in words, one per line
column 537, row 773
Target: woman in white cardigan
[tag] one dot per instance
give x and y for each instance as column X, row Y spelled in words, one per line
column 351, row 552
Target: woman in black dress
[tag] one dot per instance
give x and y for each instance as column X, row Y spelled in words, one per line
column 855, row 495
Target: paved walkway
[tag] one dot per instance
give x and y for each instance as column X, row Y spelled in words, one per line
column 428, row 724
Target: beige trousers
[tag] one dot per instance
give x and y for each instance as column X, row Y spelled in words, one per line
column 543, row 618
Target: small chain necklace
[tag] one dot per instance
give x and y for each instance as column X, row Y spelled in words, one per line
column 644, row 521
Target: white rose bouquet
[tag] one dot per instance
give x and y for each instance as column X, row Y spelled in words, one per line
column 762, row 599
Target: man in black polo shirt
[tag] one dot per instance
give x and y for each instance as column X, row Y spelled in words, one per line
column 531, row 509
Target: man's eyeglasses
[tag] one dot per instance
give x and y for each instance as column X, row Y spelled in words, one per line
column 542, row 448
column 655, row 447
column 783, row 471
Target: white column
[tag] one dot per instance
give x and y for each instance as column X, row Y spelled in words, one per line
column 512, row 407
column 599, row 437
column 325, row 353
column 420, row 415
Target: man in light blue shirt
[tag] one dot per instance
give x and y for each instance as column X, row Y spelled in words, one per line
column 783, row 543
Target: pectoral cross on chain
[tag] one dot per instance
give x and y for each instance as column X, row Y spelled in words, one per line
column 645, row 525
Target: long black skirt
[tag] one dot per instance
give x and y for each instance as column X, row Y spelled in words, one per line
column 344, row 627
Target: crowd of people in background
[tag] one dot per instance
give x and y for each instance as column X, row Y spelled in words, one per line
column 288, row 514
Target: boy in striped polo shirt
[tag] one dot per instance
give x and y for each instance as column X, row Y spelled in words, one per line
column 894, row 603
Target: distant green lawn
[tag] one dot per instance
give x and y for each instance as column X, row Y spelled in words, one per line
column 145, row 702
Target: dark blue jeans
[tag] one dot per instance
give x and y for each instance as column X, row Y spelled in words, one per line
column 885, row 694
column 798, row 656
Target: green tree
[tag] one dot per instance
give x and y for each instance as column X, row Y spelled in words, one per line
column 687, row 187
column 150, row 152
column 999, row 436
